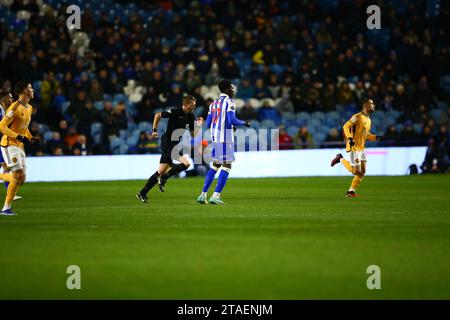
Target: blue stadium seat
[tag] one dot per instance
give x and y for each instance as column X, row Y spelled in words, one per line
column 123, row 149
column 436, row 114
column 98, row 105
column 96, row 128
column 132, row 141
column 48, row 136
column 292, row 131
column 97, row 138
column 145, row 126
column 123, row 134
column 417, row 127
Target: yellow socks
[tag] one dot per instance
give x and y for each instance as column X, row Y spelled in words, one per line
column 7, row 177
column 12, row 190
column 355, row 183
column 347, row 165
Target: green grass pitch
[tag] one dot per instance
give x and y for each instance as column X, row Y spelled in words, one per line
column 290, row 238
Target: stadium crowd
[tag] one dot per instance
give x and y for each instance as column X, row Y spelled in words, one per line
column 301, row 66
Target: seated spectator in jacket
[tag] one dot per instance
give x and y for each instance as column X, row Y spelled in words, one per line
column 332, row 138
column 408, row 135
column 284, row 105
column 55, row 143
column 261, row 90
column 245, row 90
column 303, row 139
column 146, row 143
column 247, row 112
column 391, row 136
column 345, row 95
column 436, row 158
column 175, row 97
column 71, row 137
column 284, row 139
column 267, row 112
column 81, row 147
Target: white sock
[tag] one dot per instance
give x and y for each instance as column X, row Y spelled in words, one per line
column 351, row 189
column 216, row 195
column 6, row 206
column 205, row 194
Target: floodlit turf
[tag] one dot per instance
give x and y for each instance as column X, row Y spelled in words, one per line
column 291, row 238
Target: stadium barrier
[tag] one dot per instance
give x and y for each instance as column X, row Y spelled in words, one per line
column 287, row 163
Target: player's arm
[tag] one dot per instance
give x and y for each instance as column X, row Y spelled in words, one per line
column 158, row 116
column 231, row 117
column 209, row 117
column 347, row 129
column 6, row 121
column 372, row 137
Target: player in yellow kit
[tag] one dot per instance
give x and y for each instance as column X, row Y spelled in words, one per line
column 357, row 131
column 14, row 127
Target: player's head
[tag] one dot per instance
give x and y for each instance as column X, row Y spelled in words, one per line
column 227, row 87
column 5, row 99
column 24, row 89
column 189, row 103
column 368, row 106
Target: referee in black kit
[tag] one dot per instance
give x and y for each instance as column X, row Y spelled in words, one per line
column 179, row 118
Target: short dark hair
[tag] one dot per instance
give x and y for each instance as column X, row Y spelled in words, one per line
column 188, row 98
column 20, row 86
column 224, row 85
column 3, row 94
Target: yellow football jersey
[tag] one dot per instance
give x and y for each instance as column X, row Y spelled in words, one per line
column 358, row 128
column 16, row 123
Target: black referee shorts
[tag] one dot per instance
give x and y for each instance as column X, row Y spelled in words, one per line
column 166, row 148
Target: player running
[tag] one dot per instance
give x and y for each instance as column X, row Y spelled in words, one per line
column 356, row 131
column 14, row 127
column 221, row 120
column 179, row 118
column 6, row 100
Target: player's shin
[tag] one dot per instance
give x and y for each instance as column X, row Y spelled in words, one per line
column 209, row 179
column 10, row 193
column 222, row 181
column 356, row 182
column 150, row 184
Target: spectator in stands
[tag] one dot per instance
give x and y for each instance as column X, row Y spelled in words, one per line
column 408, row 135
column 147, row 106
column 120, row 116
column 81, row 147
column 329, row 97
column 245, row 90
column 71, row 138
column 303, row 139
column 175, row 97
column 274, row 86
column 146, row 143
column 284, row 105
column 88, row 115
column 268, row 112
column 284, row 139
column 436, row 158
column 247, row 112
column 261, row 91
column 62, row 128
column 345, row 95
column 332, row 138
column 391, row 136
column 55, row 143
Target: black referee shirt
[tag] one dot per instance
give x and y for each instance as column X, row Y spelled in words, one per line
column 177, row 120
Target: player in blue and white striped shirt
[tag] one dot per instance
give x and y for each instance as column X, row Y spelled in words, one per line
column 221, row 120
